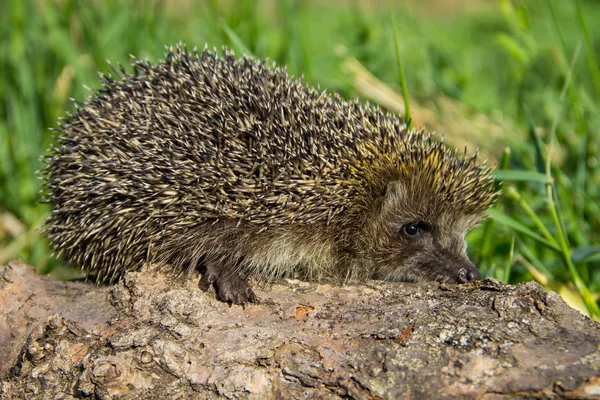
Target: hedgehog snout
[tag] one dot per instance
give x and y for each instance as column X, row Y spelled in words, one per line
column 468, row 274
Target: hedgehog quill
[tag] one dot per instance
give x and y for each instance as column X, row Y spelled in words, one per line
column 230, row 166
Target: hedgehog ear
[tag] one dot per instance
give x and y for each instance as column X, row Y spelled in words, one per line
column 399, row 203
column 393, row 189
column 391, row 194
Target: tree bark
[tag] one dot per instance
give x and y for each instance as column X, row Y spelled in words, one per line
column 154, row 336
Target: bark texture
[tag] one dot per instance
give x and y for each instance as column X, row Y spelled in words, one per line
column 153, row 336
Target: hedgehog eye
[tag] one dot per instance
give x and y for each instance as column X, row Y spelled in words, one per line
column 413, row 229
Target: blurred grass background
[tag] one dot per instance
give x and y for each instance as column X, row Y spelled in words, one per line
column 518, row 79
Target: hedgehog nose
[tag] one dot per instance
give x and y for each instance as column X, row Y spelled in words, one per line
column 468, row 274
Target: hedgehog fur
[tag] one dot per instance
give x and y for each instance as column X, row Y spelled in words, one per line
column 230, row 166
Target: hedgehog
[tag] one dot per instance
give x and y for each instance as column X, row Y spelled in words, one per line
column 229, row 166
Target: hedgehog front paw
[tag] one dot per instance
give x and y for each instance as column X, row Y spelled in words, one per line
column 234, row 289
column 208, row 278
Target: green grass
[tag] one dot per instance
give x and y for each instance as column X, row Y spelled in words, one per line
column 516, row 74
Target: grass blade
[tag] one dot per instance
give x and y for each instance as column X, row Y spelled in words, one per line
column 235, row 40
column 517, row 226
column 408, row 114
column 521, row 176
column 592, row 62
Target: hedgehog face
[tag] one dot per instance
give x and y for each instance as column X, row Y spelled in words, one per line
column 418, row 251
column 417, row 239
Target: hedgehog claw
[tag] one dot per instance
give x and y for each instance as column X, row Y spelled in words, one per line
column 251, row 296
column 236, row 291
column 207, row 280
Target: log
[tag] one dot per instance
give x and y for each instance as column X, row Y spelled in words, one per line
column 156, row 336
